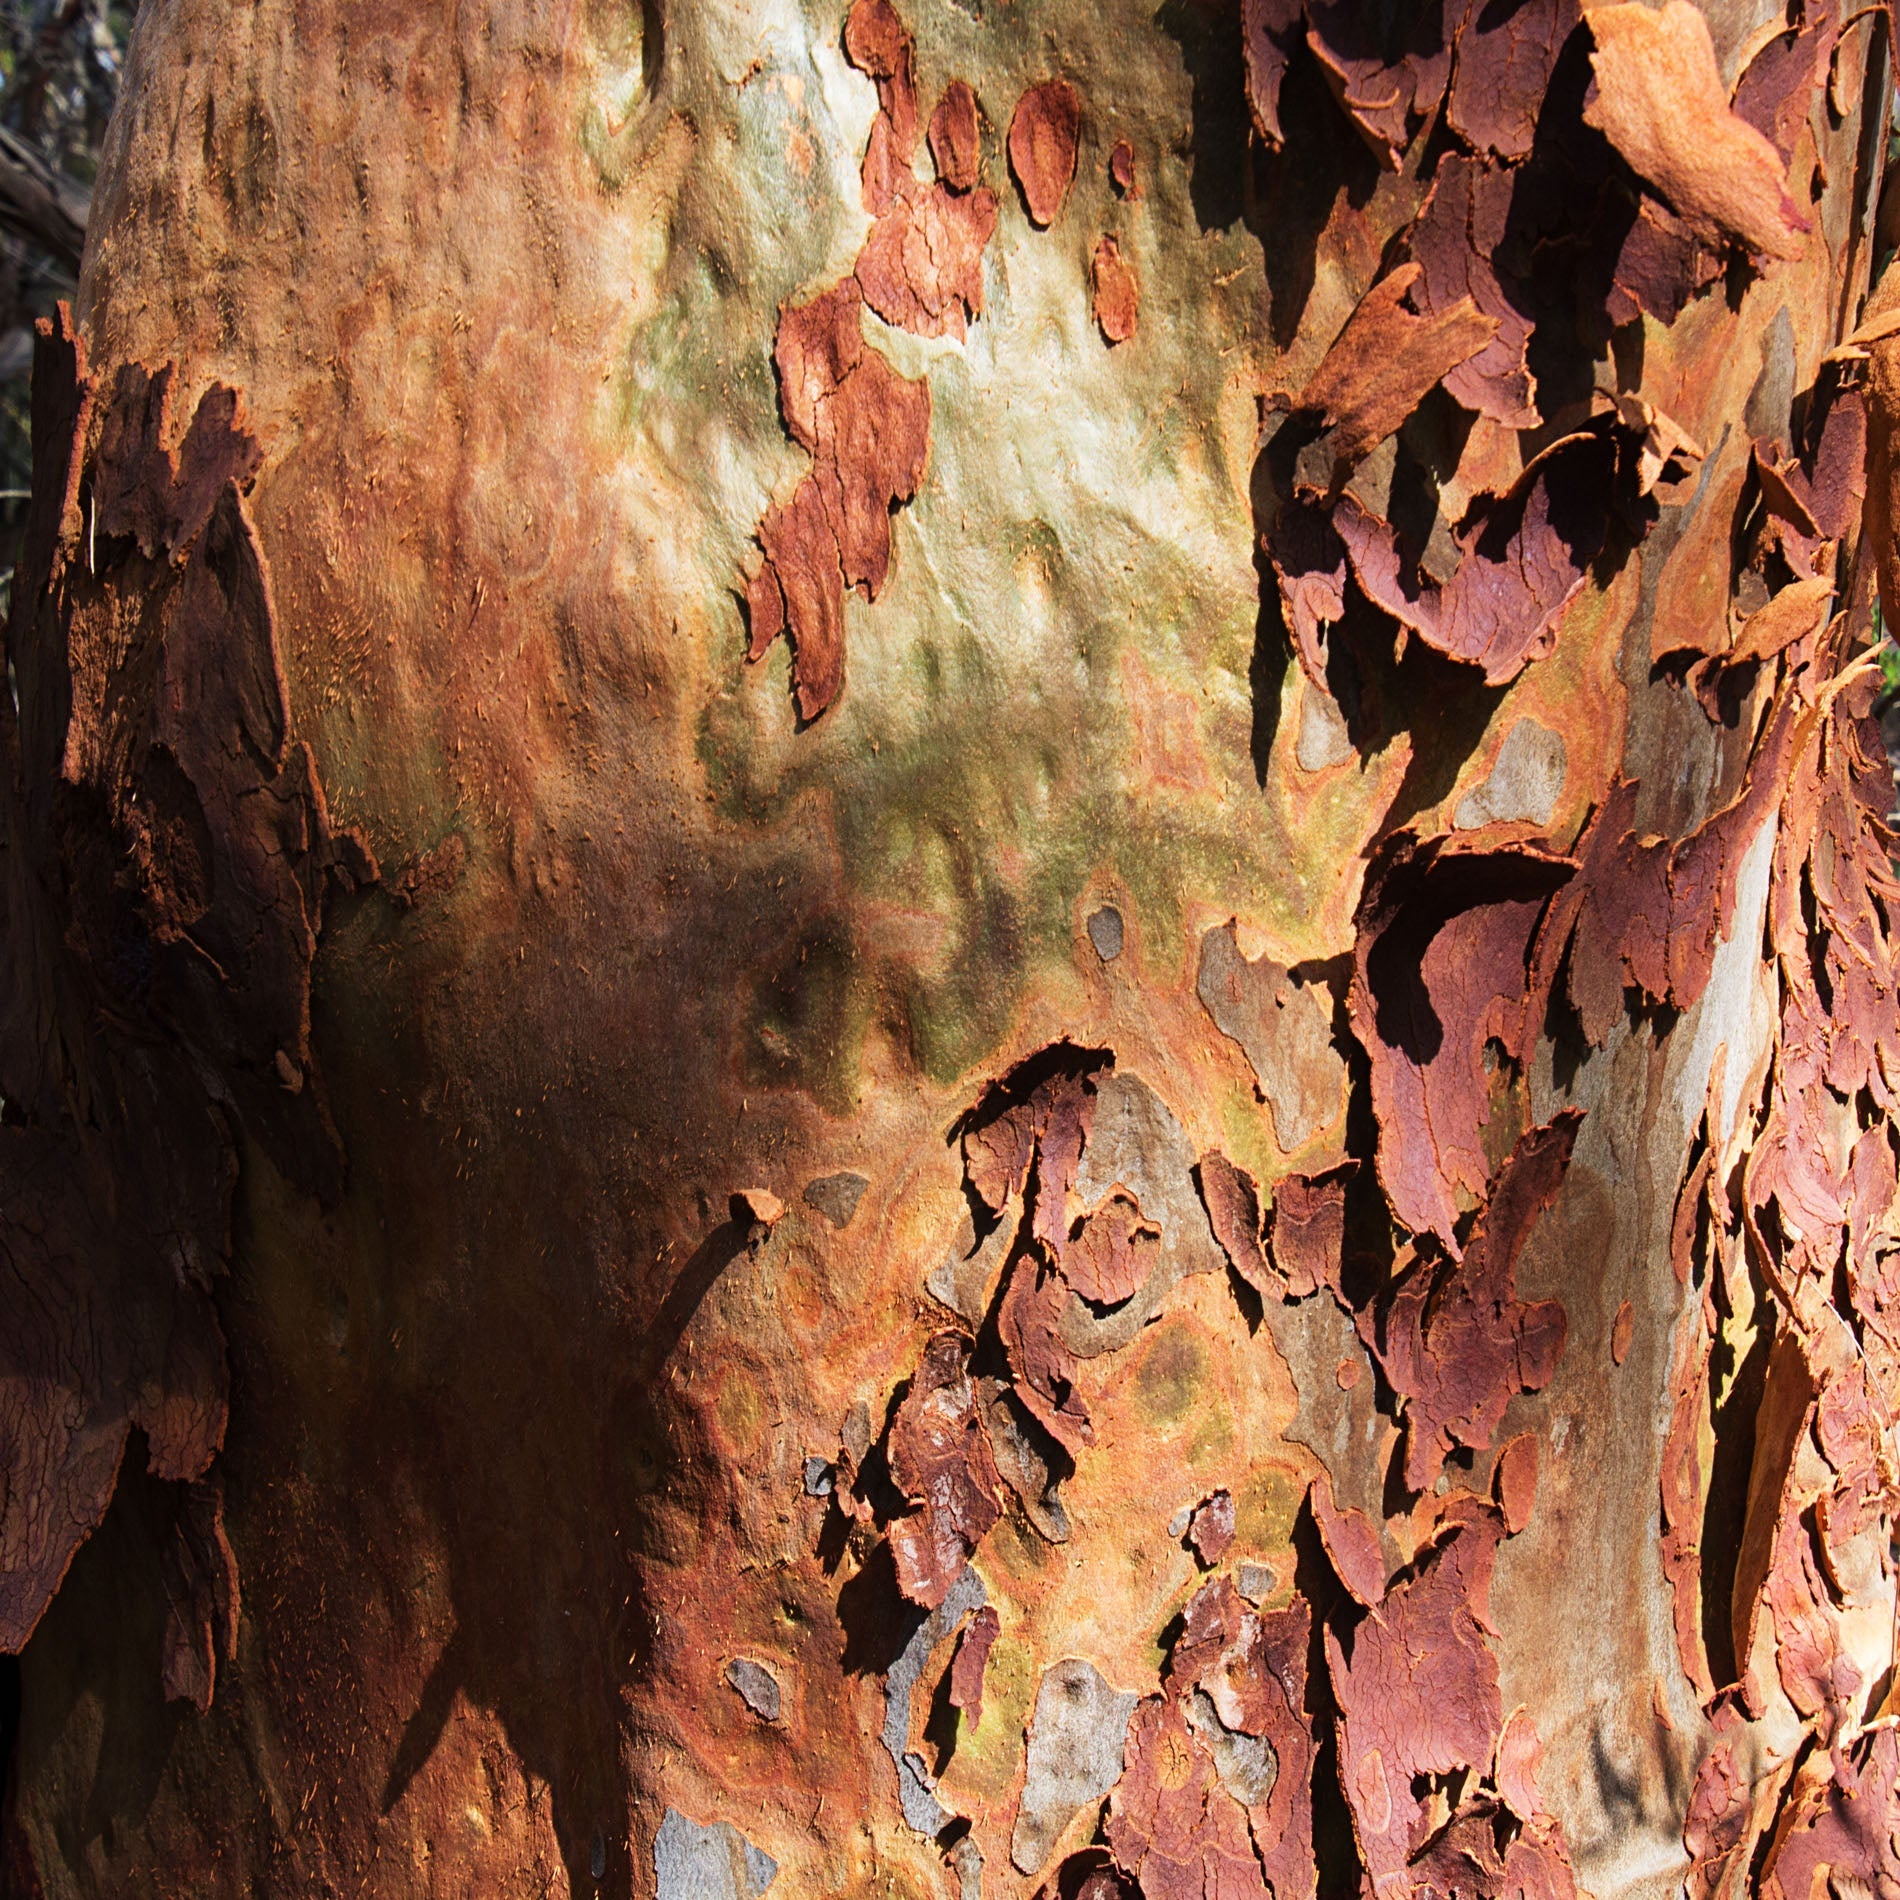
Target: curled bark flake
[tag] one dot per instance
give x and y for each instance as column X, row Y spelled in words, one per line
column 1514, row 1482
column 1271, row 31
column 1172, row 1826
column 200, row 1579
column 972, row 1659
column 1116, row 298
column 1029, row 1322
column 1776, row 89
column 1308, row 1227
column 1043, row 134
column 1113, row 1253
column 1440, row 957
column 1646, row 913
column 1306, row 1218
column 1386, row 358
column 954, row 146
column 1457, row 243
column 1122, row 171
column 1351, row 1542
column 1233, row 1212
column 1387, row 82
column 1309, row 567
column 1455, row 1342
column 1844, row 1837
column 1466, row 1859
column 1660, row 101
column 1505, row 58
column 1417, row 1689
column 1211, row 1529
column 941, row 1460
column 1524, row 556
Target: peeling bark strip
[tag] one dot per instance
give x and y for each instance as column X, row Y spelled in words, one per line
column 964, row 1307
column 189, row 836
column 866, row 427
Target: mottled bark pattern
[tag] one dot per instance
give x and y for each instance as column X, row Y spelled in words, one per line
column 1199, row 1198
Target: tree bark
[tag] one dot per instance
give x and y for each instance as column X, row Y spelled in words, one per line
column 949, row 951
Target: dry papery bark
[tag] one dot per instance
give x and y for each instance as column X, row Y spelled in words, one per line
column 950, row 950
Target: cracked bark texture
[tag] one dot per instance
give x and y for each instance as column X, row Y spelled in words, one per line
column 824, row 1074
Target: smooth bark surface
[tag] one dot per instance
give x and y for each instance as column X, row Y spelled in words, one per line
column 948, row 952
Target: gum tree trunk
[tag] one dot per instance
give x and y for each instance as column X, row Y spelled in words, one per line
column 949, row 952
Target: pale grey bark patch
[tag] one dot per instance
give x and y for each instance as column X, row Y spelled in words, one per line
column 1284, row 1028
column 756, row 1686
column 916, row 1788
column 1524, row 783
column 1324, row 741
column 1246, row 1764
column 1136, row 1143
column 1105, row 933
column 836, row 1196
column 691, row 1862
column 1078, row 1733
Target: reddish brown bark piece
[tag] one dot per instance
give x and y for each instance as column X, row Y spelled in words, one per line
column 1172, row 1825
column 1117, row 298
column 1309, row 568
column 1716, row 1823
column 1250, row 1667
column 922, row 266
column 1646, row 913
column 1211, row 1529
column 1029, row 1322
column 1520, row 1756
column 817, row 346
column 954, row 145
column 1417, row 1689
column 1455, row 1342
column 866, row 427
column 1776, row 89
column 1043, row 133
column 1351, row 1542
column 162, row 497
column 1121, row 170
column 101, row 1337
column 1621, row 1331
column 973, row 1657
column 1660, row 101
column 941, row 1460
column 1440, row 958
column 1523, row 556
column 1233, row 1212
column 1844, row 1836
column 1456, row 243
column 802, row 551
column 200, row 1578
column 878, row 44
column 1271, row 31
column 1110, row 1259
column 1466, row 1859
column 1514, row 1481
column 1506, row 55
column 1308, row 1226
column 1306, row 1218
column 1385, row 96
column 1386, row 358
